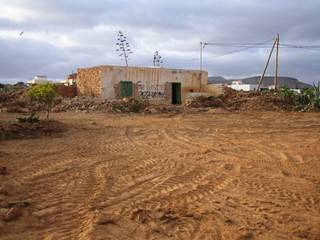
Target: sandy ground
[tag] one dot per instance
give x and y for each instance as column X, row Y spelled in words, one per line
column 200, row 176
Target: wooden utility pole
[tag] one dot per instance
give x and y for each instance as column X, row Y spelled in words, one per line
column 277, row 64
column 265, row 69
column 201, row 48
column 201, row 44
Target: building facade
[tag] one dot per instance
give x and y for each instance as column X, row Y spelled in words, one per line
column 239, row 86
column 152, row 83
column 39, row 79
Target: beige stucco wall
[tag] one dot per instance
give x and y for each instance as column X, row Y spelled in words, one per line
column 151, row 83
column 214, row 89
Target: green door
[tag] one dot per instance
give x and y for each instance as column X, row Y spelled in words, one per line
column 176, row 93
column 126, row 89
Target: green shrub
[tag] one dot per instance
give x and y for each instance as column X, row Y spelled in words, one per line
column 33, row 118
column 308, row 100
column 265, row 91
column 313, row 95
column 287, row 94
column 44, row 94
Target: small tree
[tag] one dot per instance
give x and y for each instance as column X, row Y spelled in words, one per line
column 157, row 59
column 123, row 47
column 44, row 94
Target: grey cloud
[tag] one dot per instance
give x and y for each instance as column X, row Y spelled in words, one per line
column 175, row 28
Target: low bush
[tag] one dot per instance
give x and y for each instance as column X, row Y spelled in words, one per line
column 44, row 94
column 33, row 118
column 309, row 100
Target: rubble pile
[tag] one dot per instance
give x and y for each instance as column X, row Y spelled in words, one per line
column 268, row 102
column 126, row 105
column 204, row 102
column 233, row 100
column 17, row 101
column 164, row 108
column 255, row 101
column 88, row 104
column 14, row 100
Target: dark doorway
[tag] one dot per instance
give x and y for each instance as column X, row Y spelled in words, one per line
column 126, row 89
column 176, row 93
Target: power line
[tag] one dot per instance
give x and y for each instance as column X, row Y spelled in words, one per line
column 261, row 45
column 246, row 46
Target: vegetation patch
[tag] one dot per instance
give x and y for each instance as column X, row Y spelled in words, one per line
column 44, row 94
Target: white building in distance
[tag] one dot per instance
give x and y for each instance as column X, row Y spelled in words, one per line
column 39, row 79
column 239, row 86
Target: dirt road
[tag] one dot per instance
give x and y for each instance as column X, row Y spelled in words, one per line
column 205, row 176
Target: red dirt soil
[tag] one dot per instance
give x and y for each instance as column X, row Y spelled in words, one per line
column 187, row 176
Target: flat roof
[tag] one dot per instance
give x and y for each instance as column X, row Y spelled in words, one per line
column 151, row 67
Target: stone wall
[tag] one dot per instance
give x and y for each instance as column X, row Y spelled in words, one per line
column 67, row 91
column 89, row 81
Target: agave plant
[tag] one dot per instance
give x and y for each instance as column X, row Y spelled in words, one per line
column 287, row 93
column 313, row 96
column 316, row 100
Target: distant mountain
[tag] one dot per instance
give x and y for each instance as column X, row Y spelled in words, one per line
column 218, row 79
column 267, row 81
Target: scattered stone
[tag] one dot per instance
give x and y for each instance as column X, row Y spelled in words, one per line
column 204, row 102
column 3, row 171
column 205, row 151
column 156, row 228
column 153, row 111
column 4, row 109
column 3, row 191
column 196, row 216
column 13, row 214
column 20, row 204
column 245, row 236
column 3, row 212
column 228, row 166
column 44, row 212
column 103, row 218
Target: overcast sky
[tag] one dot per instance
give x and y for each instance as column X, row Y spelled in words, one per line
column 63, row 35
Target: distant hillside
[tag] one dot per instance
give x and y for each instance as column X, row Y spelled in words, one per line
column 267, row 81
column 218, row 79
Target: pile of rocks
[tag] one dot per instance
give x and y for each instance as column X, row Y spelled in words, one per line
column 204, row 102
column 255, row 101
column 14, row 100
column 78, row 103
column 17, row 101
column 164, row 108
column 89, row 104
